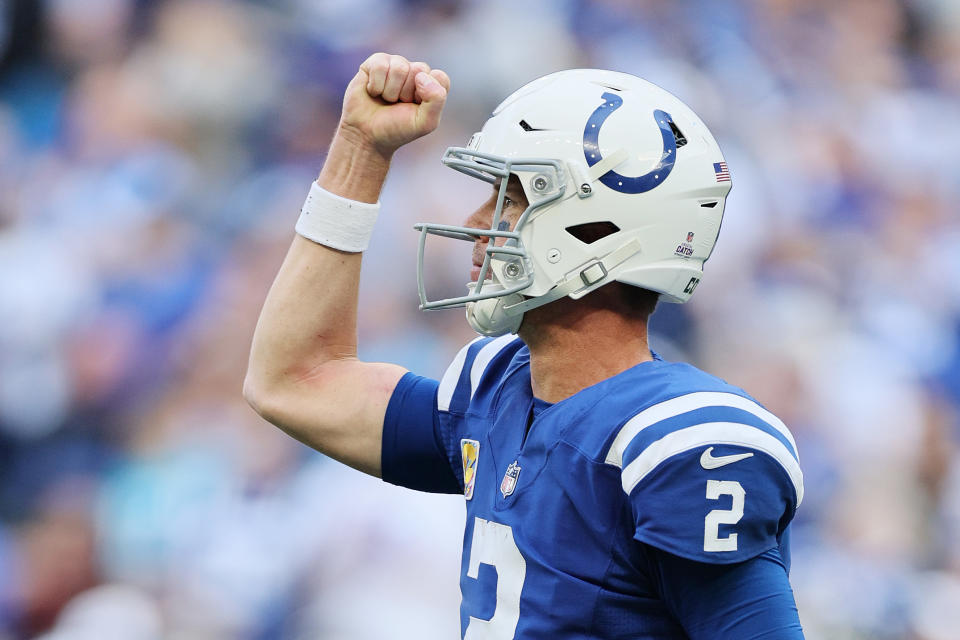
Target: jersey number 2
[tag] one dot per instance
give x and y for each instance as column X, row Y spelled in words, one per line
column 493, row 544
column 711, row 525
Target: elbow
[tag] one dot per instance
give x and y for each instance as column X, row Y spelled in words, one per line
column 258, row 396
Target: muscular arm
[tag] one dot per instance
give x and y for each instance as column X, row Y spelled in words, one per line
column 303, row 374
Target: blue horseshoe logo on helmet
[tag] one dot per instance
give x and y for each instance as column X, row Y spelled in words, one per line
column 612, row 179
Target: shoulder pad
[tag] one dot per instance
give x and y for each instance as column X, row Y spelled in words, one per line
column 711, row 476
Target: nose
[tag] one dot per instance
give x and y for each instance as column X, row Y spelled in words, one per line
column 482, row 218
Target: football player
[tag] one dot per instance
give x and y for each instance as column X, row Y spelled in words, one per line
column 609, row 493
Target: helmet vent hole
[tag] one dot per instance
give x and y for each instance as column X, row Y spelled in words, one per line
column 590, row 232
column 709, row 205
column 609, row 86
column 678, row 135
column 526, row 126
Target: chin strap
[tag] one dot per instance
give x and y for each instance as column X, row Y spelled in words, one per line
column 497, row 316
column 581, row 278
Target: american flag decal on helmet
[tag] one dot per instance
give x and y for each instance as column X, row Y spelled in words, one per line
column 723, row 173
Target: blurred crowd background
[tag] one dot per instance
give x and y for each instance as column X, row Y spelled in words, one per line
column 153, row 159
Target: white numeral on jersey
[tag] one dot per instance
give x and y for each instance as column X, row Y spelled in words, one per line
column 493, row 544
column 711, row 526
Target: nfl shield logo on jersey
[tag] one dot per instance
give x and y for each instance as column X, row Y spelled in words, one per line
column 470, row 451
column 510, row 479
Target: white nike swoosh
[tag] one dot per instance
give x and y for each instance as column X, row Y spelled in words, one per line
column 708, row 461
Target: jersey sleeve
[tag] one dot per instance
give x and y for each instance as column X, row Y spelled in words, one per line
column 750, row 600
column 414, row 453
column 710, row 477
column 423, row 424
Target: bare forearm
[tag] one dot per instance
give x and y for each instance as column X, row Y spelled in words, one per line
column 354, row 169
column 309, row 316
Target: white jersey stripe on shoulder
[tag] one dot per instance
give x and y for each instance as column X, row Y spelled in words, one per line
column 683, row 404
column 711, row 433
column 487, row 352
column 448, row 383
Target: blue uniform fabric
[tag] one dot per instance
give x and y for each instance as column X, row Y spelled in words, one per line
column 414, row 451
column 654, row 504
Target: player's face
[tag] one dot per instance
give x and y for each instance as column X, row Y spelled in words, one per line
column 514, row 204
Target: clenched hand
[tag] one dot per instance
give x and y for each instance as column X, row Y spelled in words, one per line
column 392, row 101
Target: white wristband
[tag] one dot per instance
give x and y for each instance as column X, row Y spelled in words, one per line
column 337, row 222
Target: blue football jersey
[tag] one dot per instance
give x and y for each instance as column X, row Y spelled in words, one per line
column 565, row 505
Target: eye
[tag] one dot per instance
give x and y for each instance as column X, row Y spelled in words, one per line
column 510, row 202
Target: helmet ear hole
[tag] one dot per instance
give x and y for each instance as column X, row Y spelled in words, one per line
column 590, row 232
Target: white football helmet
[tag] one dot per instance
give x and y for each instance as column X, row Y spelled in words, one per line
column 588, row 146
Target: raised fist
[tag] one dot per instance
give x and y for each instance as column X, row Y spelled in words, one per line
column 392, row 101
